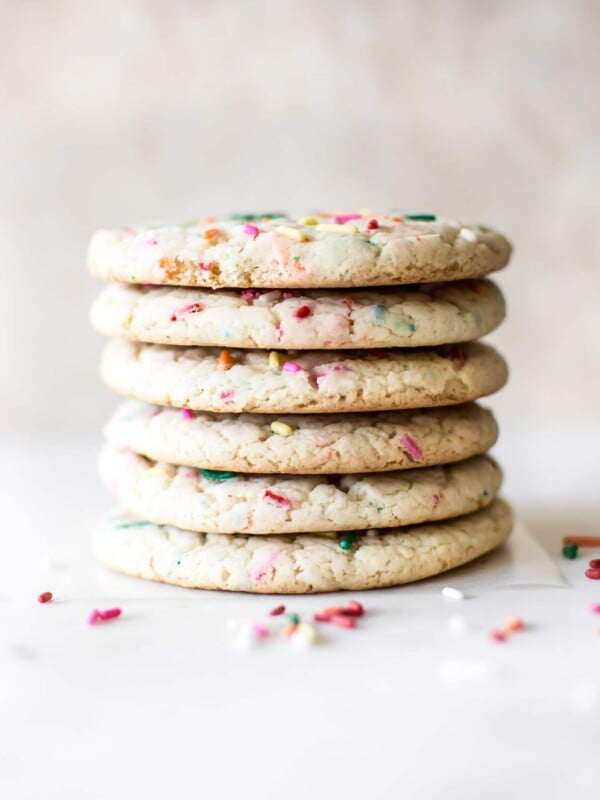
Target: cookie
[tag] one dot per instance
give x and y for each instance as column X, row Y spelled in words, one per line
column 226, row 502
column 303, row 444
column 302, row 563
column 414, row 316
column 207, row 379
column 273, row 251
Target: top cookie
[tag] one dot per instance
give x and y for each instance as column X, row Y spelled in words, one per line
column 318, row 251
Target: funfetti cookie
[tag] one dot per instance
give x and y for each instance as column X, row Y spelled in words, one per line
column 226, row 502
column 414, row 316
column 323, row 250
column 303, row 444
column 209, row 379
column 299, row 564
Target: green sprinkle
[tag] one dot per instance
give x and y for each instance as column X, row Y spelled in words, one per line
column 348, row 540
column 294, row 619
column 244, row 217
column 482, row 228
column 296, row 259
column 420, row 217
column 136, row 524
column 570, row 551
column 216, row 475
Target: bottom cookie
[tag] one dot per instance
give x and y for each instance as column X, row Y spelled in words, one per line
column 301, row 563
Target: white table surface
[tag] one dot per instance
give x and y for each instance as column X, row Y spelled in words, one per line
column 159, row 703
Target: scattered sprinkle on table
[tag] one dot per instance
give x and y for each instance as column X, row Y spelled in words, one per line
column 570, row 551
column 582, row 541
column 45, row 597
column 275, row 612
column 96, row 616
column 450, row 593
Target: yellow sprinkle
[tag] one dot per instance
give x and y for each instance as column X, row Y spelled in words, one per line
column 274, row 361
column 305, row 634
column 281, row 428
column 308, row 221
column 291, row 233
column 331, row 226
column 156, row 472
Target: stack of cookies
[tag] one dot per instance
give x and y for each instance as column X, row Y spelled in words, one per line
column 301, row 411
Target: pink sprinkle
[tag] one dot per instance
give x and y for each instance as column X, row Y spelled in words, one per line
column 291, row 366
column 206, row 267
column 260, row 631
column 343, row 621
column 287, row 295
column 110, row 613
column 248, row 294
column 193, row 308
column 275, row 612
column 595, row 608
column 226, row 395
column 277, row 499
column 411, row 448
column 377, row 353
column 93, row 617
column 354, row 609
column 497, row 636
column 262, row 563
column 341, row 219
column 251, row 230
column 149, row 241
column 186, row 413
column 435, row 499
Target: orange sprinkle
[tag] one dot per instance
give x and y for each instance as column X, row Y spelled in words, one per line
column 397, row 219
column 225, row 359
column 210, row 233
column 289, row 630
column 583, row 541
column 513, row 624
column 208, row 220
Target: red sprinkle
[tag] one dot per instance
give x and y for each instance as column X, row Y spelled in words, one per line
column 343, row 621
column 595, row 563
column 354, row 608
column 372, row 224
column 275, row 612
column 302, row 312
column 277, row 499
column 595, row 608
column 187, row 414
column 594, row 574
column 206, row 267
column 45, row 597
column 497, row 636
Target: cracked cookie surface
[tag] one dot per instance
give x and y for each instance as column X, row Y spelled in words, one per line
column 208, row 379
column 299, row 564
column 275, row 251
column 226, row 502
column 415, row 316
column 303, row 444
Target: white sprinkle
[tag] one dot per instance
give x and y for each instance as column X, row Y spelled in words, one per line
column 468, row 234
column 450, row 593
column 457, row 624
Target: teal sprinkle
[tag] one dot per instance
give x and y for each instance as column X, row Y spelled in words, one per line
column 178, row 562
column 216, row 475
column 379, row 311
column 420, row 217
column 412, row 327
column 294, row 619
column 347, row 540
column 485, row 493
column 136, row 524
column 243, row 217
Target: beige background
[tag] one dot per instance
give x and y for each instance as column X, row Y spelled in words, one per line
column 112, row 112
